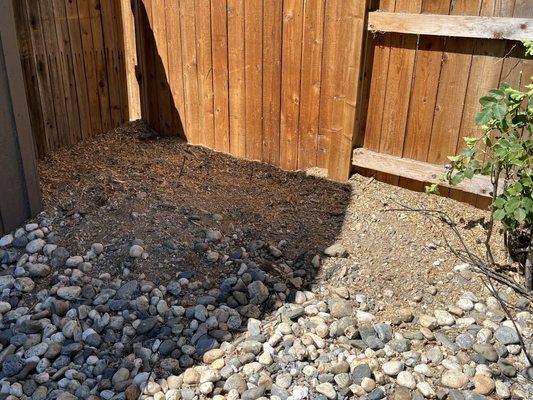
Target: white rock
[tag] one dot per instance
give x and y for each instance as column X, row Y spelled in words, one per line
column 364, row 317
column 465, row 304
column 392, row 368
column 327, row 390
column 454, row 379
column 406, row 379
column 426, row 390
column 502, row 390
column 444, row 318
column 4, row 307
column 136, row 251
column 6, row 240
column 368, row 384
column 427, row 321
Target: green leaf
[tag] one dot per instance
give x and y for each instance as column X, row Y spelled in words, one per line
column 457, row 179
column 499, row 202
column 498, row 94
column 499, row 215
column 499, row 111
column 519, row 214
column 487, row 100
column 484, row 116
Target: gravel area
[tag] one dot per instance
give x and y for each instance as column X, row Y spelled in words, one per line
column 160, row 270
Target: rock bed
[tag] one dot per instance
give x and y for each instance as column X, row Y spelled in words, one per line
column 69, row 332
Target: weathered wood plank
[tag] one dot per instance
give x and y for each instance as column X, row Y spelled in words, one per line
column 76, row 51
column 347, row 88
column 98, row 52
column 66, row 69
column 272, row 21
column 161, row 85
column 452, row 25
column 253, row 46
column 130, row 60
column 398, row 90
column 418, row 170
column 311, row 72
column 219, row 34
column 175, row 66
column 290, row 87
column 190, row 70
column 237, row 91
column 205, row 72
column 29, row 69
column 89, row 61
column 424, row 89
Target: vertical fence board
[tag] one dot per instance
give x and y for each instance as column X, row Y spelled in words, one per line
column 190, row 70
column 66, row 70
column 253, row 54
column 74, row 31
column 290, row 82
column 348, row 89
column 175, row 66
column 457, row 59
column 237, row 90
column 89, row 60
column 310, row 85
column 205, row 72
column 272, row 39
column 29, row 70
column 220, row 74
column 423, row 95
column 161, row 70
column 397, row 93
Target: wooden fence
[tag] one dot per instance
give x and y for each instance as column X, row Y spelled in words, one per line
column 295, row 83
column 265, row 80
column 423, row 90
column 73, row 62
column 19, row 194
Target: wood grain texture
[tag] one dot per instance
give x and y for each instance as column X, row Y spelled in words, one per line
column 205, row 72
column 237, row 88
column 130, row 59
column 253, row 57
column 416, row 170
column 272, row 44
column 190, row 70
column 313, row 34
column 290, row 86
column 423, row 96
column 220, row 75
column 452, row 25
column 347, row 88
column 397, row 95
column 333, row 10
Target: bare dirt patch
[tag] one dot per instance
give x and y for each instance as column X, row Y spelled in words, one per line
column 115, row 188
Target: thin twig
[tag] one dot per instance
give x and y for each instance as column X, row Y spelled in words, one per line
column 475, row 260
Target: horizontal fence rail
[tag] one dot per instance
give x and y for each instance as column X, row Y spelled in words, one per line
column 423, row 90
column 452, row 25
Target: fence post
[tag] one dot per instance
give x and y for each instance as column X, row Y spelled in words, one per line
column 20, row 198
column 127, row 17
column 352, row 33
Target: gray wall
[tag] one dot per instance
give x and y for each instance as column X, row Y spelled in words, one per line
column 19, row 185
